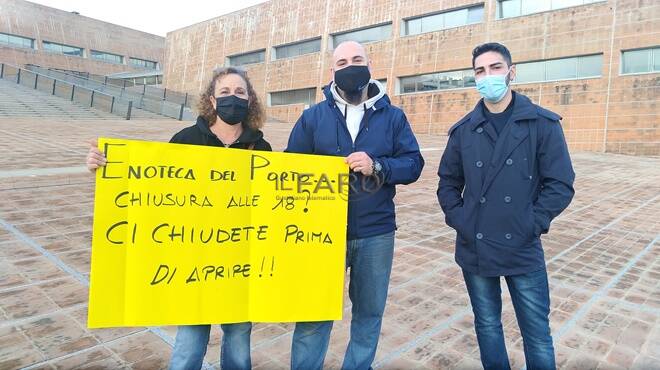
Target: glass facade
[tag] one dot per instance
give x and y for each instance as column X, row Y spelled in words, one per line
column 53, row 47
column 640, row 61
column 437, row 81
column 107, row 57
column 444, row 20
column 247, row 58
column 144, row 63
column 560, row 69
column 364, row 36
column 516, row 8
column 299, row 48
column 300, row 96
column 16, row 41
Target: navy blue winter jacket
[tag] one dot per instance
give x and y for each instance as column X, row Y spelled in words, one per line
column 385, row 135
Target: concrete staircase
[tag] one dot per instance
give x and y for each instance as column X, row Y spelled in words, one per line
column 21, row 101
column 143, row 98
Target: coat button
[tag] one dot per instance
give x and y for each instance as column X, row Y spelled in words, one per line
column 480, row 236
column 507, row 199
column 509, row 162
column 480, row 130
column 508, row 236
column 482, row 200
column 479, row 164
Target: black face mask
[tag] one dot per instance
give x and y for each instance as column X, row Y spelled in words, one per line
column 352, row 79
column 231, row 109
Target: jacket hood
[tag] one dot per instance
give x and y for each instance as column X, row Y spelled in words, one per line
column 376, row 93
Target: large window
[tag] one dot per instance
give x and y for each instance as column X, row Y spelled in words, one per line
column 437, row 81
column 515, row 8
column 301, row 96
column 545, row 70
column 444, row 20
column 560, row 69
column 142, row 63
column 16, row 41
column 53, row 47
column 107, row 57
column 640, row 61
column 248, row 58
column 363, row 36
column 299, row 48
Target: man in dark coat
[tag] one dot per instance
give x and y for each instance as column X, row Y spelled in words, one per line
column 504, row 176
column 357, row 121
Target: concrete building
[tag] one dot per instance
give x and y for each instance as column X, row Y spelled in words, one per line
column 595, row 62
column 35, row 34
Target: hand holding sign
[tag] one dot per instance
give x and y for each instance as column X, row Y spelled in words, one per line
column 197, row 235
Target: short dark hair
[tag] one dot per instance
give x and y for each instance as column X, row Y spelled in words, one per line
column 492, row 46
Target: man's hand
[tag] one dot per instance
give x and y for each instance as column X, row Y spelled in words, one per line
column 360, row 162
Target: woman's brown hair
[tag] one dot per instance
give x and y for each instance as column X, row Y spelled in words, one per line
column 256, row 115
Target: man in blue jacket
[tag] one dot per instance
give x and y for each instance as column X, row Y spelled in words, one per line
column 357, row 121
column 504, row 175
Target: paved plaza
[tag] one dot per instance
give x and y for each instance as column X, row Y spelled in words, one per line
column 603, row 257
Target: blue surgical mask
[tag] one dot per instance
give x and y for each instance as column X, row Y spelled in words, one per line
column 493, row 87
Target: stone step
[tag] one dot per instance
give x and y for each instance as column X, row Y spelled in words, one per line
column 21, row 101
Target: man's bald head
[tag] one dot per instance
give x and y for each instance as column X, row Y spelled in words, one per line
column 349, row 53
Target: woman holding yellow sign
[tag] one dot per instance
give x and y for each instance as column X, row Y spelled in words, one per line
column 230, row 115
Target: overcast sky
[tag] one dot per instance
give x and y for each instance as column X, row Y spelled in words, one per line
column 157, row 17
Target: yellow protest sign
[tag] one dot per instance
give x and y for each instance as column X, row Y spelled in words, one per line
column 187, row 234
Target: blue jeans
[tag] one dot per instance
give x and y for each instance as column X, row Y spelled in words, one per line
column 370, row 261
column 531, row 302
column 191, row 342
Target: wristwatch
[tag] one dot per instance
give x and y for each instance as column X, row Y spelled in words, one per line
column 376, row 167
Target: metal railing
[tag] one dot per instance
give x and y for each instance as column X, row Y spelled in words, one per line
column 162, row 93
column 149, row 98
column 67, row 90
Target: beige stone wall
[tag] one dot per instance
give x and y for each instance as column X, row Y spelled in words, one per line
column 40, row 22
column 612, row 112
column 633, row 117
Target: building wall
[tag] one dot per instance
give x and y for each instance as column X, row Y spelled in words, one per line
column 22, row 18
column 614, row 112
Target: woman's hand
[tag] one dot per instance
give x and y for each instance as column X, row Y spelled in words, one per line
column 95, row 158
